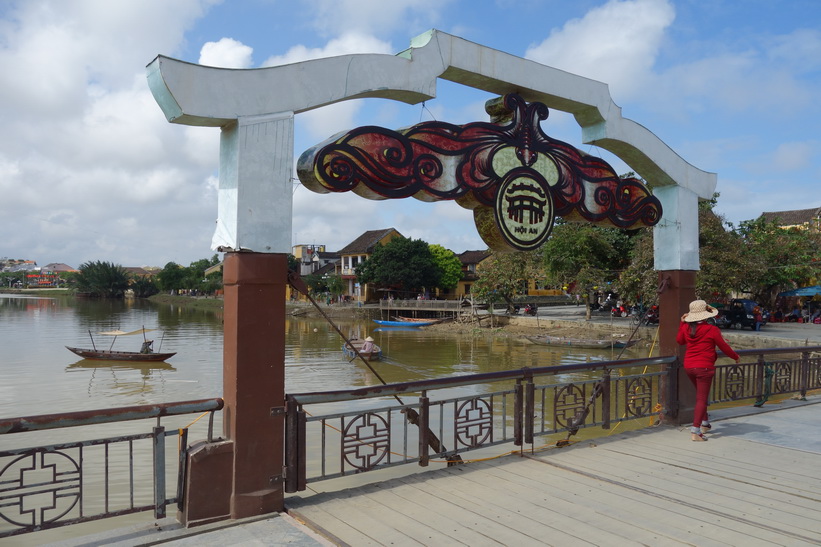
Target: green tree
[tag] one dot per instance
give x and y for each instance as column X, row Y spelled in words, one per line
column 144, row 287
column 171, row 277
column 721, row 256
column 449, row 265
column 102, row 279
column 212, row 282
column 293, row 263
column 402, row 264
column 505, row 275
column 335, row 284
column 584, row 257
column 317, row 284
column 639, row 281
column 777, row 259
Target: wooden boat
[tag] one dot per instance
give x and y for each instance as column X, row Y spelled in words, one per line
column 146, row 352
column 349, row 352
column 585, row 343
column 406, row 323
column 113, row 355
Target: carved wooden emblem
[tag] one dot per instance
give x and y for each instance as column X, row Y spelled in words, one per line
column 514, row 177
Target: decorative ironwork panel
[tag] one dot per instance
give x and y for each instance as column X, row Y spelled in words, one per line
column 782, row 379
column 814, row 380
column 39, row 487
column 639, row 397
column 567, row 403
column 366, row 441
column 734, row 382
column 473, row 422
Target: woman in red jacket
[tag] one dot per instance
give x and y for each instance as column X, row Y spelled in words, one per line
column 700, row 356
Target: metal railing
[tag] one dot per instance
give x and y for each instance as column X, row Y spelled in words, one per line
column 475, row 412
column 60, row 484
column 767, row 376
column 512, row 407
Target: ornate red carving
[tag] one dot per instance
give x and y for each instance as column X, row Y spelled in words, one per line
column 512, row 171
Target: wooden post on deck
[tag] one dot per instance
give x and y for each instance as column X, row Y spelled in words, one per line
column 242, row 476
column 254, row 379
column 678, row 289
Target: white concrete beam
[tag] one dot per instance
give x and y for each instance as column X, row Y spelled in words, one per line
column 198, row 95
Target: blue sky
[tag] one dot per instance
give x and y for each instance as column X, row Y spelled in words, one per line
column 90, row 169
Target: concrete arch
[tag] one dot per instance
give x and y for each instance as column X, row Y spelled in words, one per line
column 193, row 94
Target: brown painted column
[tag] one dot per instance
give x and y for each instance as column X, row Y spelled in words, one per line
column 678, row 290
column 254, row 378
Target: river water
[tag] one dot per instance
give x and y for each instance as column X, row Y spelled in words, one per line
column 38, row 375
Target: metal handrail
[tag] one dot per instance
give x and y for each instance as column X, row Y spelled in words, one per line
column 469, row 379
column 107, row 415
column 65, row 496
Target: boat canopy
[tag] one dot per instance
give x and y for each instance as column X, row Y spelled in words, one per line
column 123, row 333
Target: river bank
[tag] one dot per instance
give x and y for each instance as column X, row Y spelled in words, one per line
column 565, row 321
column 197, row 302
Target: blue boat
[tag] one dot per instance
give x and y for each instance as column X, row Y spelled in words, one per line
column 419, row 323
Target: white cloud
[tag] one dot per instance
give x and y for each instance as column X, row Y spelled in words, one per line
column 226, row 53
column 92, row 167
column 375, row 16
column 616, row 43
column 347, row 43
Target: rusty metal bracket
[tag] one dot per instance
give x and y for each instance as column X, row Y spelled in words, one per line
column 666, row 283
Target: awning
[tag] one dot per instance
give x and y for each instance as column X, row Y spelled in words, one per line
column 803, row 291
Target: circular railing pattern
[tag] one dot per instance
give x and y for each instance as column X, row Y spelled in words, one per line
column 474, row 422
column 365, row 441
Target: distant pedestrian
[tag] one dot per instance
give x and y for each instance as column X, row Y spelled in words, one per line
column 701, row 339
column 758, row 317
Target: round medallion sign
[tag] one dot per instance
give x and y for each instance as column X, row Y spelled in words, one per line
column 524, row 209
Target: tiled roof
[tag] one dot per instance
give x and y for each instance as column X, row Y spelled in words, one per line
column 473, row 257
column 328, row 268
column 365, row 243
column 136, row 270
column 58, row 267
column 792, row 218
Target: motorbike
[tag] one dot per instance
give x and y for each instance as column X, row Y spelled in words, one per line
column 645, row 316
column 620, row 311
column 531, row 309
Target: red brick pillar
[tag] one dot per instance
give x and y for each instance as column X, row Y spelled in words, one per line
column 678, row 290
column 254, row 379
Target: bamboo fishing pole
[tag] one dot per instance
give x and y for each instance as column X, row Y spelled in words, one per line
column 410, row 414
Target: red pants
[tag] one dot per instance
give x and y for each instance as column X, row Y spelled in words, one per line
column 702, row 379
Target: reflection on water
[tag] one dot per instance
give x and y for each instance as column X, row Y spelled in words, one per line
column 127, row 378
column 36, row 367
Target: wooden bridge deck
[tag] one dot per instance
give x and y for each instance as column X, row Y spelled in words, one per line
column 756, row 482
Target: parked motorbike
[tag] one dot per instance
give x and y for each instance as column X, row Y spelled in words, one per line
column 620, row 311
column 645, row 316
